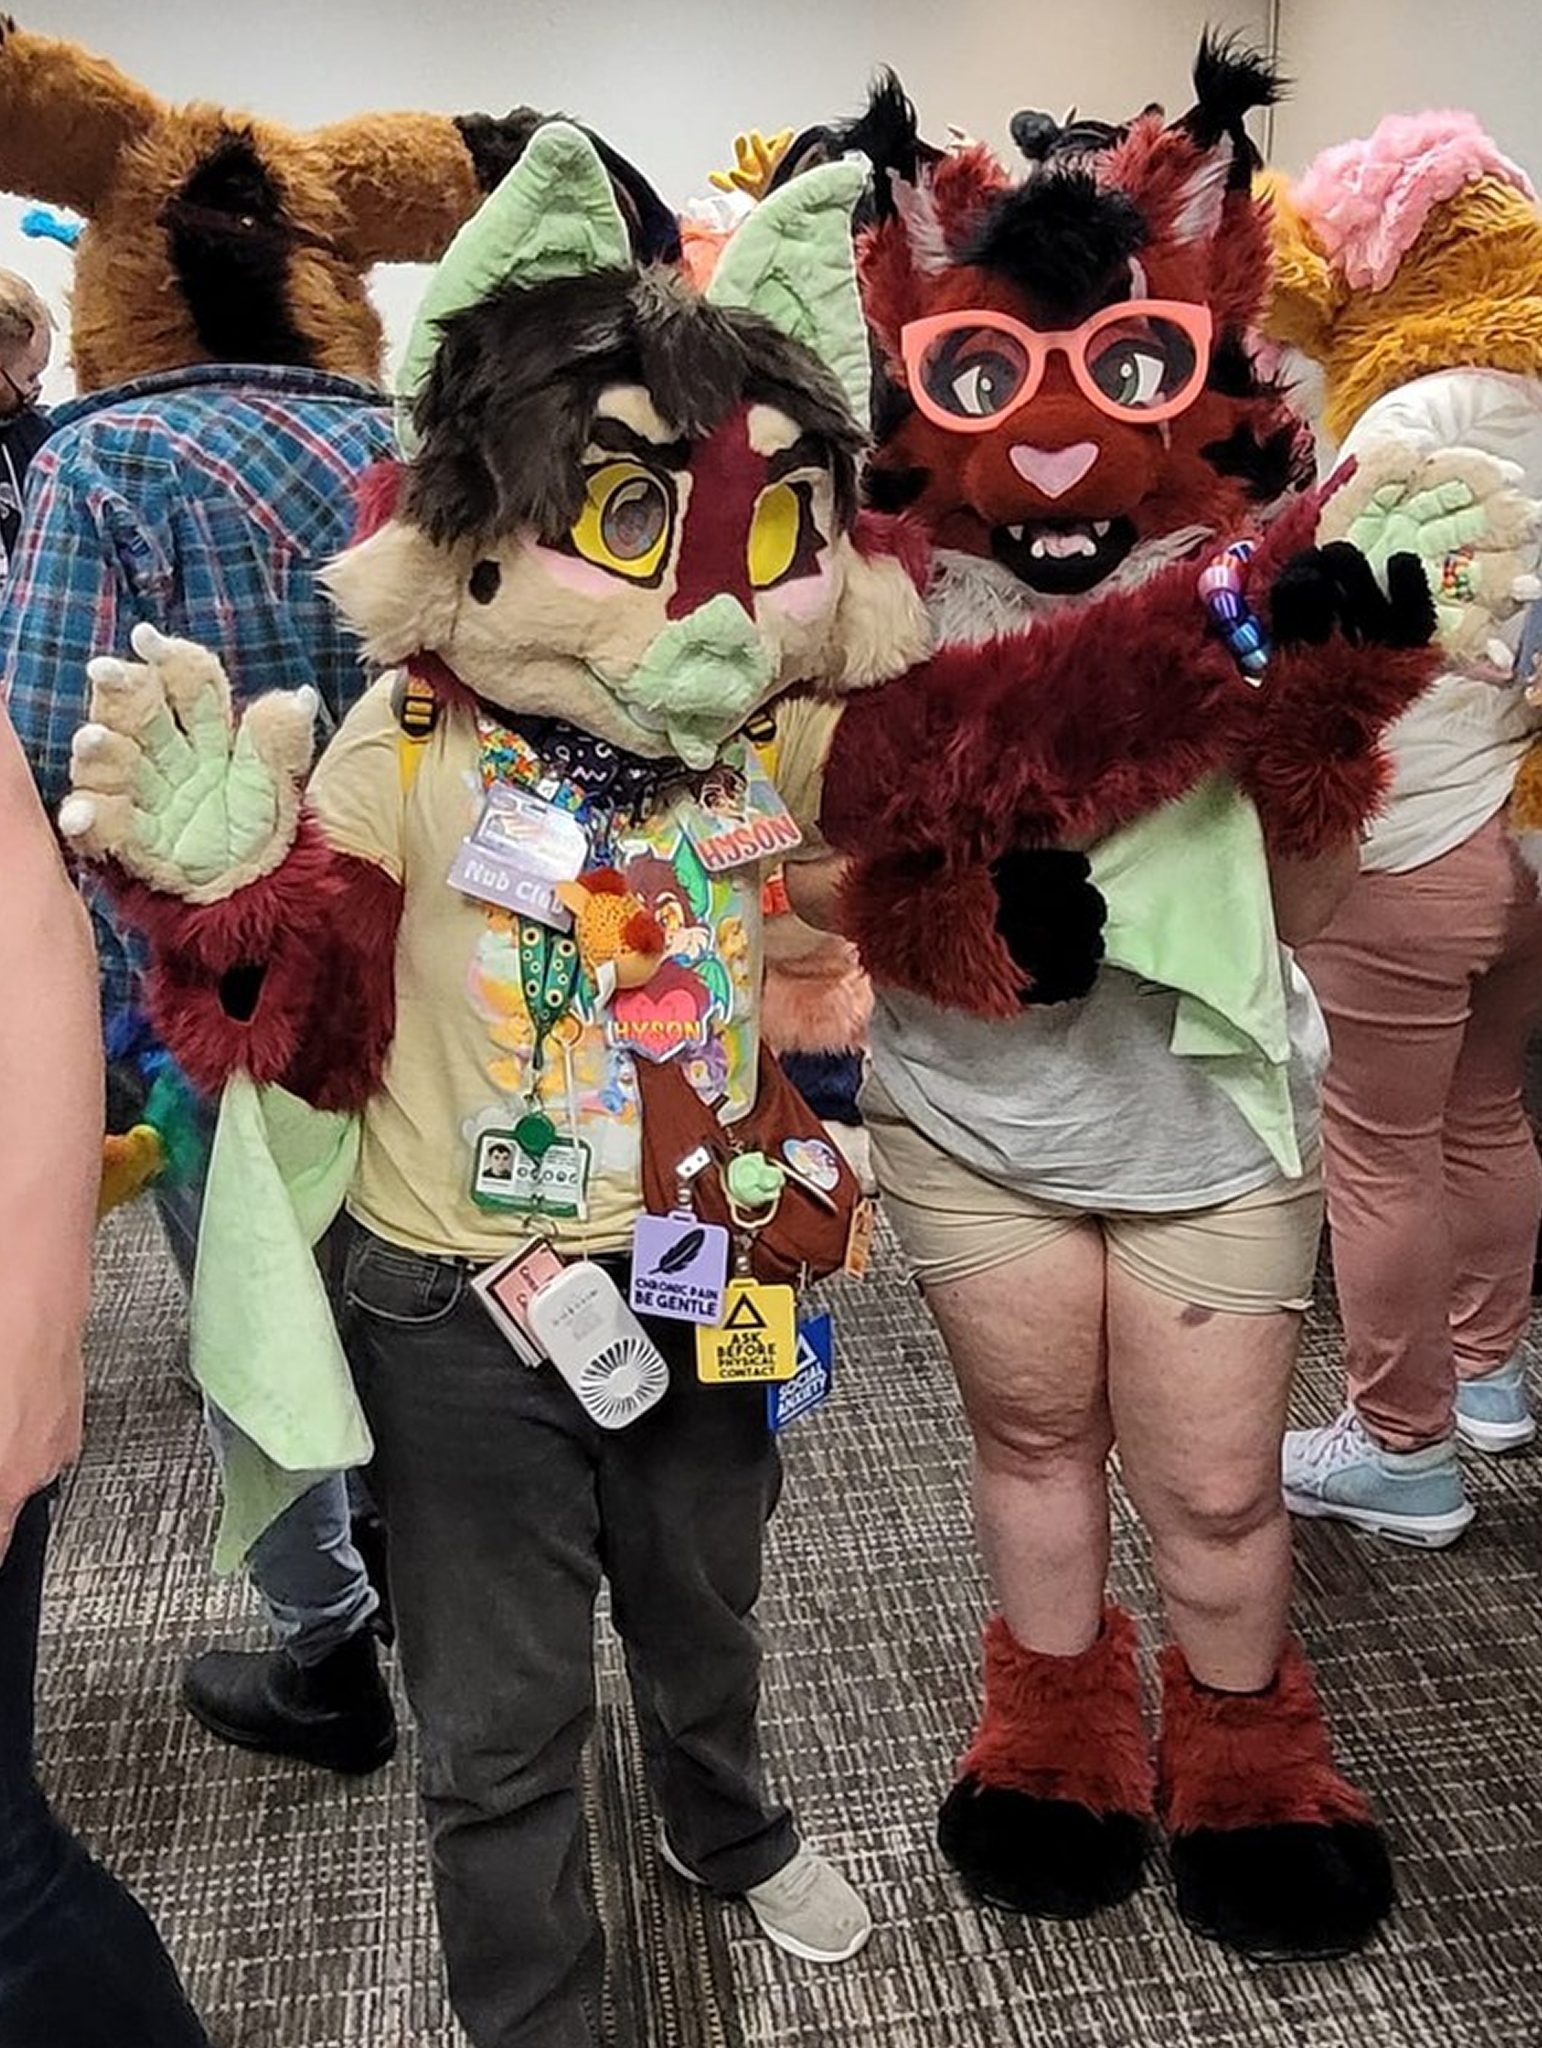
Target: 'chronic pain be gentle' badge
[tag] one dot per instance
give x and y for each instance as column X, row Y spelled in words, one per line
column 679, row 1268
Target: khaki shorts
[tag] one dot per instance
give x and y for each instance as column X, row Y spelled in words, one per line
column 1251, row 1256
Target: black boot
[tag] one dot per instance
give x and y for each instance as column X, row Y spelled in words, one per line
column 337, row 1713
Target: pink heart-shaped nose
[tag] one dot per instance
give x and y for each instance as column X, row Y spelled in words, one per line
column 1054, row 470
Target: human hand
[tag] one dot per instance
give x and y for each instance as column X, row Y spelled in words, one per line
column 169, row 786
column 42, row 1396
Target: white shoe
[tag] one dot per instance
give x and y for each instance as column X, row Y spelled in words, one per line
column 806, row 1907
column 1341, row 1472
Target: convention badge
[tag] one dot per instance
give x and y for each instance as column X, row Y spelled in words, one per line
column 679, row 1268
column 540, row 837
column 505, row 1290
column 737, row 815
column 495, row 878
column 859, row 1240
column 757, row 1339
column 520, row 847
column 509, row 1172
column 813, row 1164
column 613, row 1366
column 811, row 1385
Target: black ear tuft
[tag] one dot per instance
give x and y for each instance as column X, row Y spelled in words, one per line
column 1230, row 80
column 885, row 133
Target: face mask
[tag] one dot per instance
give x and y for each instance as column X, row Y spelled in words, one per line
column 25, row 396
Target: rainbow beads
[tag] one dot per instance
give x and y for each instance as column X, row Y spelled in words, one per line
column 1223, row 595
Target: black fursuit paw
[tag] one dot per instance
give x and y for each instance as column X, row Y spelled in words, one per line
column 1053, row 1859
column 1051, row 917
column 1297, row 1891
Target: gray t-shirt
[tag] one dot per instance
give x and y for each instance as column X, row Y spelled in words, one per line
column 1083, row 1102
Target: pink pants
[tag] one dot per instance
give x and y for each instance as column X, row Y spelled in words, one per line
column 1431, row 982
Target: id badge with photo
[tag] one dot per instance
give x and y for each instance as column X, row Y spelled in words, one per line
column 505, row 1176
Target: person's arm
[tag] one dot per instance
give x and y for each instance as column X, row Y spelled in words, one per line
column 1306, row 893
column 86, row 567
column 51, row 1152
column 814, row 888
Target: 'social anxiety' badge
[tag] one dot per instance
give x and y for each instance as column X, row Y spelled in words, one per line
column 679, row 1268
column 757, row 1340
column 809, row 1388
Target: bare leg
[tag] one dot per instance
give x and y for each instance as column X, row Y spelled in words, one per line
column 1198, row 1399
column 1272, row 1851
column 1026, row 1342
column 1049, row 1812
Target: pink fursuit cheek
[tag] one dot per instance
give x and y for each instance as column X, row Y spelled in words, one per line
column 802, row 599
column 573, row 573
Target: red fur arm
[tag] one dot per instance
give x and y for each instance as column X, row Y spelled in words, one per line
column 1052, row 737
column 1314, row 764
column 1316, row 768
column 931, row 929
column 290, row 980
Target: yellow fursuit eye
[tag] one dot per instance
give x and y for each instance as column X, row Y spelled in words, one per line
column 774, row 535
column 627, row 520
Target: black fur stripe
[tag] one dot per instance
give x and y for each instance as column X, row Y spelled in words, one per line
column 231, row 246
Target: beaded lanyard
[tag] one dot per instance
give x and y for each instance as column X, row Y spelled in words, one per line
column 1225, row 598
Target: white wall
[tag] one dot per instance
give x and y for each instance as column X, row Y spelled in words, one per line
column 668, row 82
column 1355, row 60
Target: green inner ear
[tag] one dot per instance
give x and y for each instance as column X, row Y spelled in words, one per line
column 554, row 215
column 792, row 260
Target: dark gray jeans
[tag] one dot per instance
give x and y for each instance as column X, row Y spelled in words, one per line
column 504, row 1505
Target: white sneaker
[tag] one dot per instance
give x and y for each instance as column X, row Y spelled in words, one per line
column 1342, row 1472
column 806, row 1907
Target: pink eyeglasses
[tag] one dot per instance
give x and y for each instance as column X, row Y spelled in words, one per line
column 1142, row 360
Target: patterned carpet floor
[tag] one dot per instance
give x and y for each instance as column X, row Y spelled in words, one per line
column 298, row 1907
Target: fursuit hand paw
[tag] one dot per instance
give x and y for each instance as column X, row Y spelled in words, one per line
column 170, row 787
column 1333, row 589
column 1461, row 512
column 756, row 157
column 1051, row 917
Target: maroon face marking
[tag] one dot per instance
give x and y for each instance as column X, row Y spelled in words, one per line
column 727, row 477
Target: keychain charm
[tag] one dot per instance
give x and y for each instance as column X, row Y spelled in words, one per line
column 757, row 1340
column 679, row 1268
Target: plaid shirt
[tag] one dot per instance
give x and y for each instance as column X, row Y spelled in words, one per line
column 203, row 500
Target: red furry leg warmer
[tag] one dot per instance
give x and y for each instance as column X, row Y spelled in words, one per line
column 1274, row 1852
column 1048, row 1814
column 1065, row 1727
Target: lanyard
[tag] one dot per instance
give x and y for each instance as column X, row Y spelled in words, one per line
column 548, row 973
column 505, row 756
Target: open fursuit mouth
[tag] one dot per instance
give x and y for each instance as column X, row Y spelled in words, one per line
column 1062, row 540
column 1063, row 557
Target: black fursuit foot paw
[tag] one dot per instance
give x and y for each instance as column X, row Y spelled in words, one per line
column 1050, row 1858
column 1297, row 1891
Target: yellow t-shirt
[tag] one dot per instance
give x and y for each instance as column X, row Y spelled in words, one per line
column 457, row 1080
